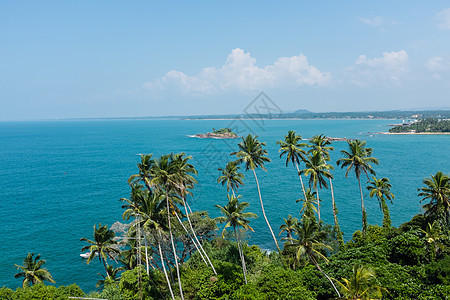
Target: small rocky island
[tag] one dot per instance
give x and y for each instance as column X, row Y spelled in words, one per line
column 223, row 133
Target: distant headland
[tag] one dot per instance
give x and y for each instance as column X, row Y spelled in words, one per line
column 223, row 133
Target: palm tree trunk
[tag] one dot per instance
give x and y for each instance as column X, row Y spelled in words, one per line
column 104, row 264
column 241, row 254
column 196, row 239
column 386, row 216
column 173, row 247
column 364, row 216
column 164, row 268
column 324, row 274
column 146, row 253
column 318, row 203
column 190, row 236
column 301, row 180
column 337, row 228
column 263, row 211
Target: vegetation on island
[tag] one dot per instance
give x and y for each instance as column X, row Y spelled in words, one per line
column 168, row 251
column 223, row 131
column 429, row 125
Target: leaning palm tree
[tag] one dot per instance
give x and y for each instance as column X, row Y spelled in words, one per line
column 361, row 285
column 183, row 182
column 288, row 227
column 231, row 177
column 103, row 245
column 32, row 271
column 381, row 188
column 251, row 153
column 317, row 170
column 292, row 147
column 234, row 216
column 437, row 191
column 308, row 244
column 358, row 158
column 322, row 144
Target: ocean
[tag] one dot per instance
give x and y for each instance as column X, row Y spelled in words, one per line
column 59, row 178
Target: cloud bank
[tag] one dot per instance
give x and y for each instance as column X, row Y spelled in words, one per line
column 240, row 72
column 390, row 68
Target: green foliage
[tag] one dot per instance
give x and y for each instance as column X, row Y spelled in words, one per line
column 153, row 285
column 41, row 292
column 439, row 272
column 425, row 125
column 280, row 283
column 407, row 249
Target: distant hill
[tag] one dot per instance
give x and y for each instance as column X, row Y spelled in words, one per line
column 302, row 111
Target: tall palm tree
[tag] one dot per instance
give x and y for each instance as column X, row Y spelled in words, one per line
column 32, row 271
column 164, row 177
column 381, row 188
column 359, row 158
column 251, row 153
column 231, row 177
column 292, row 147
column 183, row 182
column 308, row 244
column 322, row 144
column 317, row 170
column 437, row 191
column 361, row 285
column 103, row 245
column 234, row 216
column 288, row 227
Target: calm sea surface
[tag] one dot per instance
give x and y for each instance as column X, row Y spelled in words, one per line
column 58, row 179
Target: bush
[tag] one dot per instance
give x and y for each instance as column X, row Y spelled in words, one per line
column 41, row 292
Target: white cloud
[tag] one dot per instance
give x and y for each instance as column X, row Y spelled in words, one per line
column 444, row 18
column 239, row 72
column 436, row 64
column 375, row 21
column 388, row 68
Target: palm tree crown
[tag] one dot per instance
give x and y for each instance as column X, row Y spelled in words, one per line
column 358, row 158
column 231, row 177
column 381, row 188
column 292, row 147
column 437, row 191
column 32, row 271
column 251, row 153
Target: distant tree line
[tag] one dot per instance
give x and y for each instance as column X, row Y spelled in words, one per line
column 425, row 125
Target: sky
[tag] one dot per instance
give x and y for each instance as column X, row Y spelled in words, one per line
column 87, row 59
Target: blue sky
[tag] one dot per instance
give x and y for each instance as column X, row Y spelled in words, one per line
column 61, row 59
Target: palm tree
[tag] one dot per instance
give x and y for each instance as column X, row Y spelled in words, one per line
column 308, row 207
column 164, row 177
column 361, row 285
column 185, row 181
column 308, row 244
column 294, row 152
column 358, row 158
column 322, row 144
column 32, row 271
column 254, row 156
column 103, row 245
column 437, row 191
column 235, row 217
column 231, row 177
column 381, row 188
column 112, row 273
column 317, row 170
column 433, row 235
column 289, row 227
column 144, row 170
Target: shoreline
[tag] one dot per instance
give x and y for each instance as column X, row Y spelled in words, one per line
column 414, row 133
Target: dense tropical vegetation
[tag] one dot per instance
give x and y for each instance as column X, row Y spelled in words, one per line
column 168, row 251
column 424, row 125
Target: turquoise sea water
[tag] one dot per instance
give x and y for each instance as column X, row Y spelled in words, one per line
column 59, row 178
